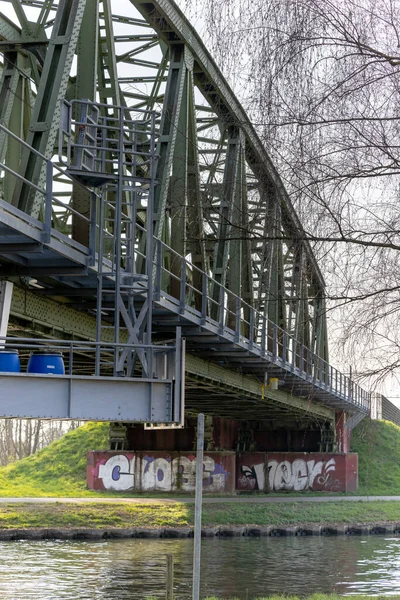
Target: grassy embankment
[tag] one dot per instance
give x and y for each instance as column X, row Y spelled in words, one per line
column 378, row 446
column 59, row 470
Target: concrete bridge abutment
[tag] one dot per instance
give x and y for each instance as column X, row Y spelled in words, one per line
column 239, row 456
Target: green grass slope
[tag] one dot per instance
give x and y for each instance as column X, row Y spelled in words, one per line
column 59, row 469
column 378, row 446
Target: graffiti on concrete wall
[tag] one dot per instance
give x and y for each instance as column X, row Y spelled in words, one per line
column 118, row 473
column 301, row 474
column 124, row 472
column 296, row 475
column 252, row 477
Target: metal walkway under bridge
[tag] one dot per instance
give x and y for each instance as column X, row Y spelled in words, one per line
column 144, row 231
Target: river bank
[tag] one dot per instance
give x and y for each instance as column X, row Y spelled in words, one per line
column 59, row 470
column 86, row 533
column 173, row 518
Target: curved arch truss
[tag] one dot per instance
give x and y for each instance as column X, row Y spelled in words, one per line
column 219, row 200
column 125, row 154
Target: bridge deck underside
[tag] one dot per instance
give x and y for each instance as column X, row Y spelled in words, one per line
column 61, row 264
column 210, row 388
column 224, row 401
column 224, row 351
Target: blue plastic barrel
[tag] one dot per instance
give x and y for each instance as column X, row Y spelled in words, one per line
column 9, row 361
column 46, row 362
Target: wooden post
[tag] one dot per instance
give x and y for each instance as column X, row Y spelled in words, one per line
column 170, row 578
column 198, row 507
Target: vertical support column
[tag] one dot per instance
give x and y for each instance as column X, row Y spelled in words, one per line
column 299, row 306
column 6, row 289
column 320, row 333
column 271, row 295
column 15, row 112
column 229, row 211
column 86, row 78
column 184, row 197
column 342, row 433
column 107, row 59
column 168, row 134
column 46, row 113
column 247, row 292
column 275, row 308
column 235, row 227
column 178, row 191
column 227, row 208
column 196, row 237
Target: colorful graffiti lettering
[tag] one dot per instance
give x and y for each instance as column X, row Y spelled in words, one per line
column 252, row 477
column 297, row 475
column 123, row 473
column 118, row 473
column 300, row 474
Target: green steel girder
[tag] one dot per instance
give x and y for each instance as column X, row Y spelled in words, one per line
column 195, row 229
column 52, row 89
column 229, row 211
column 15, row 112
column 9, row 31
column 222, row 203
column 169, row 129
column 85, row 87
column 50, row 318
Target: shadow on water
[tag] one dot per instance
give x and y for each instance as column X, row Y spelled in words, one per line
column 240, row 567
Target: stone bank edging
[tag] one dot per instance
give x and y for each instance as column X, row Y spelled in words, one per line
column 187, row 532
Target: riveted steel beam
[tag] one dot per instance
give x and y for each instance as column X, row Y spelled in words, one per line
column 52, row 88
column 85, row 87
column 44, row 314
column 219, row 200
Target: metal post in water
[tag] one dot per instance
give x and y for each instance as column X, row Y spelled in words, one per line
column 170, row 578
column 198, row 506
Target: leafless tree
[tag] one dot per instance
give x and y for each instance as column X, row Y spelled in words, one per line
column 320, row 80
column 22, row 437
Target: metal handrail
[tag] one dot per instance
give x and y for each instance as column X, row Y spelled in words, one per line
column 70, row 349
column 217, row 307
column 257, row 333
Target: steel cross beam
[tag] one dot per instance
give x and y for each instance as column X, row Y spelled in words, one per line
column 34, row 315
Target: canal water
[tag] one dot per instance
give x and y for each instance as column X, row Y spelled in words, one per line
column 240, row 567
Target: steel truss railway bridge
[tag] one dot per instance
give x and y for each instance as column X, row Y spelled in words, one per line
column 145, row 232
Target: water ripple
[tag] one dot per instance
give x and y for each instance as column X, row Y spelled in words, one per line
column 244, row 568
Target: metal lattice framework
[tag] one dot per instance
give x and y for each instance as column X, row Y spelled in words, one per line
column 219, row 204
column 220, row 200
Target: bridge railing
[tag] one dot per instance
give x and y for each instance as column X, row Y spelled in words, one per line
column 56, row 212
column 79, row 356
column 189, row 290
